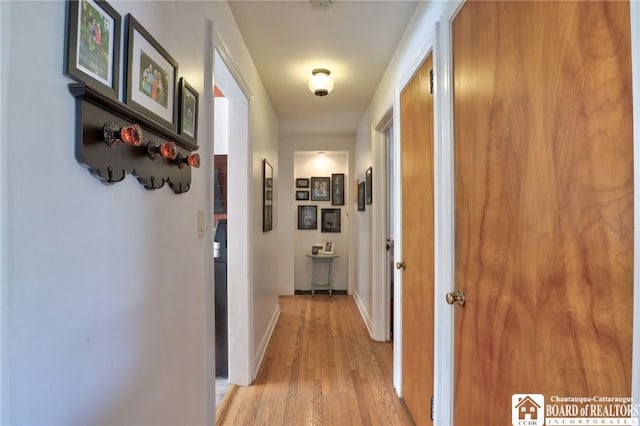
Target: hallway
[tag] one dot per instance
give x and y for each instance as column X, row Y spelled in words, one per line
column 321, row 368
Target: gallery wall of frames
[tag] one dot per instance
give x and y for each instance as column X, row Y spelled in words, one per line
column 151, row 133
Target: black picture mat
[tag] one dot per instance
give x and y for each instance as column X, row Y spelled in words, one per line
column 133, row 25
column 307, row 217
column 302, row 183
column 330, row 220
column 337, row 189
column 321, row 189
column 185, row 87
column 267, row 196
column 368, row 177
column 71, row 46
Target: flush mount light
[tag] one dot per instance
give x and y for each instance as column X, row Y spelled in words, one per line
column 321, row 83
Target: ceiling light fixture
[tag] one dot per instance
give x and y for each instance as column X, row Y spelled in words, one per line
column 321, row 83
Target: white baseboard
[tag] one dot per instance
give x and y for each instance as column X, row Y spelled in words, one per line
column 363, row 312
column 262, row 349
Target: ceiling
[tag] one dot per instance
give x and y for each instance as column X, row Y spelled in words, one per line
column 354, row 39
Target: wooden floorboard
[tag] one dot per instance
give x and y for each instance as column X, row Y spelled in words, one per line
column 321, row 368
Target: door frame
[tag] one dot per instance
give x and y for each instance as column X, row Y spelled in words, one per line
column 444, row 213
column 379, row 217
column 240, row 295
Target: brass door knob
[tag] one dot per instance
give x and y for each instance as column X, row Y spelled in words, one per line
column 401, row 265
column 456, row 296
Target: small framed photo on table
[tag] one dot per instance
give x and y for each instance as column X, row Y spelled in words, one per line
column 328, row 247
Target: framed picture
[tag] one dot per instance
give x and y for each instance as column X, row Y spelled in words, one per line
column 328, row 247
column 93, row 45
column 151, row 76
column 337, row 189
column 361, row 196
column 302, row 195
column 368, row 178
column 307, row 217
column 188, row 101
column 302, row 183
column 267, row 196
column 330, row 220
column 320, row 189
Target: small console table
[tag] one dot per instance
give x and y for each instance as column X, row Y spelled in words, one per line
column 319, row 259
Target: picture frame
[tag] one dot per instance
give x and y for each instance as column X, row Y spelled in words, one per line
column 302, row 195
column 328, row 247
column 188, row 111
column 337, row 189
column 320, row 189
column 361, row 196
column 302, row 183
column 92, row 48
column 369, row 185
column 151, row 76
column 330, row 220
column 267, row 196
column 308, row 217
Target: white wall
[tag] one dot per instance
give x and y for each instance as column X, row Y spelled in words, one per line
column 109, row 286
column 308, row 164
column 287, row 217
column 221, row 128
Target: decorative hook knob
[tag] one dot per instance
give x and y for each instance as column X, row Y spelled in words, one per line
column 166, row 150
column 192, row 160
column 113, row 134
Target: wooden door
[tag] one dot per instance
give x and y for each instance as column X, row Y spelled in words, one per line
column 543, row 203
column 416, row 113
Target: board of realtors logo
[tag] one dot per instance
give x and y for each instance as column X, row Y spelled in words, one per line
column 527, row 409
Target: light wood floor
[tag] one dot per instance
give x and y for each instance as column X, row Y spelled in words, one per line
column 320, row 368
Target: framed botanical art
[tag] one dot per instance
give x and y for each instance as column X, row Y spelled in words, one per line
column 361, row 196
column 368, row 178
column 337, row 189
column 93, row 45
column 330, row 220
column 267, row 196
column 188, row 103
column 151, row 76
column 320, row 189
column 302, row 183
column 302, row 195
column 307, row 217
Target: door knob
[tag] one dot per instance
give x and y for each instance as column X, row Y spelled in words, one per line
column 401, row 265
column 456, row 296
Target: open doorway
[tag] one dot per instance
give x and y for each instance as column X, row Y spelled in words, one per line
column 231, row 221
column 390, row 217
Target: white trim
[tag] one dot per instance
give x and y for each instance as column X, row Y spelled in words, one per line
column 209, row 302
column 363, row 311
column 262, row 349
column 240, row 255
column 444, row 266
column 379, row 290
column 635, row 69
column 397, row 275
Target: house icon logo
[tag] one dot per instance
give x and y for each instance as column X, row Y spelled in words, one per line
column 527, row 409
